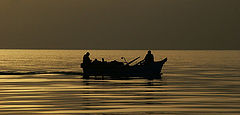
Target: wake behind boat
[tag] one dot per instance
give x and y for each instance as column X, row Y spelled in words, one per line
column 144, row 68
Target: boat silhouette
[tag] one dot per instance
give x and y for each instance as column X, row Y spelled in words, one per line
column 123, row 69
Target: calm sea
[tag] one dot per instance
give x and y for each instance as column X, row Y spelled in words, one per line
column 193, row 82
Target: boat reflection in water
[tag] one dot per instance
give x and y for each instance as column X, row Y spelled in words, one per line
column 145, row 68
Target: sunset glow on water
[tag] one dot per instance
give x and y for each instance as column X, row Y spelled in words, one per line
column 202, row 81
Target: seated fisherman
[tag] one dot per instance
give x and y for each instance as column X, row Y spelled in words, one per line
column 149, row 58
column 86, row 59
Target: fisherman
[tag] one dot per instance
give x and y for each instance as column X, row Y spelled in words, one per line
column 149, row 58
column 86, row 59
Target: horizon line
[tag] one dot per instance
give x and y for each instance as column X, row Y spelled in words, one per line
column 100, row 49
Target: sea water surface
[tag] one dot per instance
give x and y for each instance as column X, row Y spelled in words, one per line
column 49, row 82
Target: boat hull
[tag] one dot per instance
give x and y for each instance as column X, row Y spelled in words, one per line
column 153, row 69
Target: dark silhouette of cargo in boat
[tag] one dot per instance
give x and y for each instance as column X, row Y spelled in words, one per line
column 146, row 67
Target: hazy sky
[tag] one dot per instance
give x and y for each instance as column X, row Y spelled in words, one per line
column 120, row 24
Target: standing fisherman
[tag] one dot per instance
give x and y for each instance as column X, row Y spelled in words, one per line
column 149, row 58
column 86, row 59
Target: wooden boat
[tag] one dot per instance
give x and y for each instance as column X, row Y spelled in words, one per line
column 121, row 69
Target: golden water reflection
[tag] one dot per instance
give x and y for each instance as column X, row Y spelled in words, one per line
column 71, row 95
column 194, row 82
